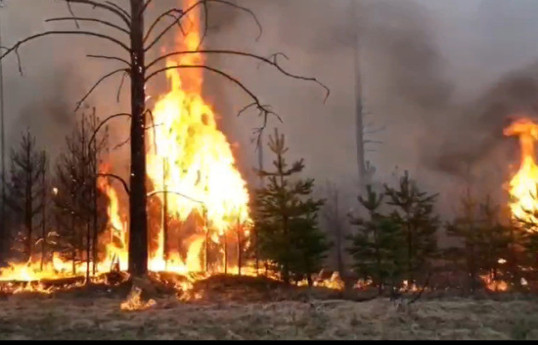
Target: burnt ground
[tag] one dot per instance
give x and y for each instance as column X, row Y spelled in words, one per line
column 253, row 308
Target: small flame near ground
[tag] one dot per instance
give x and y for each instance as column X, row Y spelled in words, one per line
column 134, row 301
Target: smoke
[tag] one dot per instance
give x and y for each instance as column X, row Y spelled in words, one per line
column 443, row 77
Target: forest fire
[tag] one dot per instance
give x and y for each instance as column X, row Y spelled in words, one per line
column 198, row 202
column 522, row 187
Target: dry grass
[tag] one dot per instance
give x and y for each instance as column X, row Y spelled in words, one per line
column 26, row 317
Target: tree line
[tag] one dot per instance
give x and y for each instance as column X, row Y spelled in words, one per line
column 394, row 243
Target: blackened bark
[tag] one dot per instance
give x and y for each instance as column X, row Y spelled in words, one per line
column 138, row 235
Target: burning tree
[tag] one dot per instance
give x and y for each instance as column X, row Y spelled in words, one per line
column 25, row 188
column 287, row 218
column 141, row 40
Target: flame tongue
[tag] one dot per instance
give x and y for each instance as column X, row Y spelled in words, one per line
column 522, row 187
column 193, row 160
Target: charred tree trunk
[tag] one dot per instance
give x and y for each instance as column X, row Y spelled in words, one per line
column 29, row 202
column 94, row 210
column 240, row 250
column 359, row 123
column 225, row 253
column 138, row 234
column 43, row 215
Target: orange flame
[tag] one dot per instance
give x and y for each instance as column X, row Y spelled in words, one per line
column 191, row 163
column 116, row 236
column 522, row 187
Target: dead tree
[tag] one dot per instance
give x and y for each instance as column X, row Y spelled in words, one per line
column 140, row 41
column 335, row 222
column 25, row 189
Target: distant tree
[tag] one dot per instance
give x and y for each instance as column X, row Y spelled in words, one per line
column 25, row 190
column 376, row 246
column 414, row 213
column 286, row 217
column 335, row 223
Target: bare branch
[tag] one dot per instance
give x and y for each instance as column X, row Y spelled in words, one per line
column 373, row 142
column 153, row 125
column 148, row 2
column 217, row 71
column 183, row 13
column 72, row 14
column 176, row 193
column 119, row 8
column 374, row 131
column 122, row 143
column 110, row 58
column 267, row 61
column 244, row 9
column 206, row 25
column 84, row 19
column 104, row 122
column 109, row 8
column 19, row 63
column 121, row 86
column 47, row 33
column 116, row 177
column 166, row 14
column 79, row 104
column 245, row 108
column 263, row 109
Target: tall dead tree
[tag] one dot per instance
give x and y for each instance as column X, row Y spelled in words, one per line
column 140, row 41
column 335, row 222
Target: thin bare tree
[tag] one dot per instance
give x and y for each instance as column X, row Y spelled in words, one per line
column 131, row 22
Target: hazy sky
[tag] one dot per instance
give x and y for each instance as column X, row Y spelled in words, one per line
column 424, row 63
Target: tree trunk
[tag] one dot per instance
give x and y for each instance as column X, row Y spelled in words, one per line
column 165, row 216
column 138, row 234
column 88, row 250
column 225, row 253
column 95, row 215
column 43, row 217
column 359, row 129
column 29, row 203
column 240, row 250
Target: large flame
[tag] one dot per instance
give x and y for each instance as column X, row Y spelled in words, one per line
column 191, row 165
column 115, row 238
column 193, row 174
column 522, row 187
